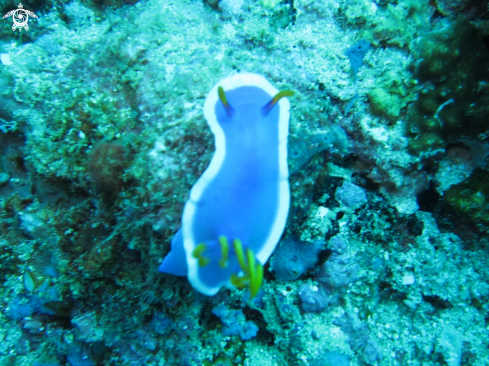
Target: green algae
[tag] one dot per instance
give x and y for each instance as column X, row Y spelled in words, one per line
column 453, row 69
column 384, row 103
column 471, row 197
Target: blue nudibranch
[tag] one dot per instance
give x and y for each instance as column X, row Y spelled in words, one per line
column 238, row 208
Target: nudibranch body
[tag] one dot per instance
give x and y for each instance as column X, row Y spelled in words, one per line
column 238, row 208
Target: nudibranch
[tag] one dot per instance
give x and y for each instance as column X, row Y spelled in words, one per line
column 237, row 209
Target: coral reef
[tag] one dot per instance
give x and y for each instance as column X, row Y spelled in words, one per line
column 235, row 323
column 470, row 197
column 452, row 70
column 293, row 257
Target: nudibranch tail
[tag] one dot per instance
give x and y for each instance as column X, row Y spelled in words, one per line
column 224, row 101
column 281, row 94
column 252, row 269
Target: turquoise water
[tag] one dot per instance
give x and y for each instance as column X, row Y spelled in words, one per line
column 384, row 256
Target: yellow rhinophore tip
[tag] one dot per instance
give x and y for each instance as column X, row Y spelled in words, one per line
column 281, row 94
column 197, row 253
column 224, row 100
